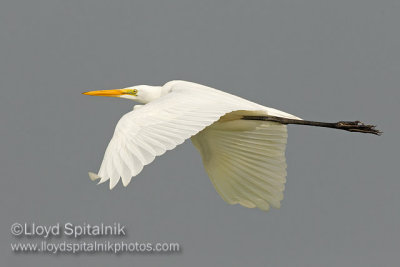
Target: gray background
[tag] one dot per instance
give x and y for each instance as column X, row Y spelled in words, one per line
column 320, row 60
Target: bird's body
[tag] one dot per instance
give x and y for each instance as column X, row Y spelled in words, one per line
column 244, row 159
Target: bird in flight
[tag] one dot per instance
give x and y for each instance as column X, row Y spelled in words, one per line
column 242, row 144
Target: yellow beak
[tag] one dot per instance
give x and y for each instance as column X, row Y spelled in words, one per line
column 111, row 93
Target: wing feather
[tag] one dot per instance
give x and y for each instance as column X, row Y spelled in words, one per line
column 246, row 164
column 166, row 122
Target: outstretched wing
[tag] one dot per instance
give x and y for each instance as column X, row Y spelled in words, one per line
column 164, row 123
column 245, row 161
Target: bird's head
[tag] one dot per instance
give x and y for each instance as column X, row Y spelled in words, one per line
column 140, row 93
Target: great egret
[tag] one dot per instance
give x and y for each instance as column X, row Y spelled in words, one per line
column 243, row 151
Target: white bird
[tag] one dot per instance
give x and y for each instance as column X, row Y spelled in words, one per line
column 245, row 159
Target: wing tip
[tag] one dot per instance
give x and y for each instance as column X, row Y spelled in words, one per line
column 93, row 176
column 126, row 183
column 113, row 183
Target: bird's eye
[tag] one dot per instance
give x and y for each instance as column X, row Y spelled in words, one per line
column 132, row 91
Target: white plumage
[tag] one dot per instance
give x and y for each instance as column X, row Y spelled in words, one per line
column 244, row 159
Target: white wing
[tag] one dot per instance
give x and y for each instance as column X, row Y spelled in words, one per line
column 164, row 123
column 245, row 161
